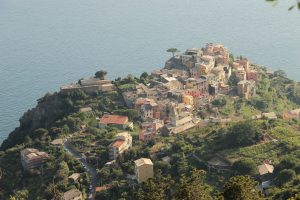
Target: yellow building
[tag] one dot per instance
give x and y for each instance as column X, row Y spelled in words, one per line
column 188, row 99
column 143, row 169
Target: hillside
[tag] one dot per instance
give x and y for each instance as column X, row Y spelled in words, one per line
column 216, row 152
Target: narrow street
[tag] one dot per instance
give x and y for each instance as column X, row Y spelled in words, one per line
column 88, row 168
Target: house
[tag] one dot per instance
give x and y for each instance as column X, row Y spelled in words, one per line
column 89, row 85
column 202, row 85
column 180, row 120
column 58, row 142
column 149, row 130
column 120, row 122
column 246, row 89
column 219, row 72
column 291, row 114
column 213, row 88
column 85, row 109
column 143, row 169
column 242, row 63
column 32, row 158
column 252, row 75
column 220, row 53
column 224, row 88
column 129, row 98
column 73, row 194
column 269, row 116
column 188, row 99
column 265, row 171
column 74, row 177
column 166, row 159
column 122, row 142
column 187, row 60
column 240, row 74
column 103, row 188
column 148, row 108
column 201, row 101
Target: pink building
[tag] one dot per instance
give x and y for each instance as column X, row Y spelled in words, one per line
column 252, row 75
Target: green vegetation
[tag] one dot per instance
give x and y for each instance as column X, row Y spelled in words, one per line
column 216, row 161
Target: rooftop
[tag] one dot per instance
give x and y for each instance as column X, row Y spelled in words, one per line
column 113, row 119
column 265, row 169
column 117, row 143
column 143, row 161
column 71, row 194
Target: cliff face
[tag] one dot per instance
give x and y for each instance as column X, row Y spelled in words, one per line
column 174, row 63
column 47, row 111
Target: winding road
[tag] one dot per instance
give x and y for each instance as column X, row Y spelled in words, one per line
column 88, row 168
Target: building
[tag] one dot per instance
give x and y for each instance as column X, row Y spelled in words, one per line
column 180, row 120
column 143, row 169
column 252, row 75
column 74, row 177
column 219, row 72
column 120, row 122
column 32, row 158
column 240, row 74
column 148, row 108
column 246, row 89
column 89, row 85
column 269, row 116
column 265, row 171
column 213, row 88
column 149, row 130
column 122, row 142
column 291, row 114
column 73, row 194
column 58, row 142
column 188, row 99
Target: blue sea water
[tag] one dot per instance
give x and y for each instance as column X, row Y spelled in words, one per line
column 46, row 43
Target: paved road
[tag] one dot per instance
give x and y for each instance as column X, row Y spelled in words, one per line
column 88, row 168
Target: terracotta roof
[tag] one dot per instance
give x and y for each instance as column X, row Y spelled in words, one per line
column 117, row 143
column 113, row 119
column 102, row 188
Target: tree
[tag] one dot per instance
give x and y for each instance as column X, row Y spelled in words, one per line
column 20, row 195
column 243, row 134
column 290, row 8
column 157, row 188
column 173, row 51
column 288, row 162
column 193, row 187
column 280, row 73
column 219, row 102
column 285, row 176
column 240, row 188
column 245, row 167
column 100, row 74
column 233, row 80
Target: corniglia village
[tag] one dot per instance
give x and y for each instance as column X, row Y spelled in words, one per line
column 208, row 125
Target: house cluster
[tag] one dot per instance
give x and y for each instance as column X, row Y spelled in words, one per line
column 33, row 158
column 188, row 81
column 88, row 85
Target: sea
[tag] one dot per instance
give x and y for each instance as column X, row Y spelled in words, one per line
column 47, row 43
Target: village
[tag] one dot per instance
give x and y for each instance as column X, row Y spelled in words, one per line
column 168, row 104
